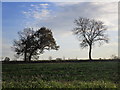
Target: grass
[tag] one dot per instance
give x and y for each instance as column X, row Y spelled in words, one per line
column 61, row 75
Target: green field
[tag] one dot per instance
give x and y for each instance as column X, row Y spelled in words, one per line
column 61, row 75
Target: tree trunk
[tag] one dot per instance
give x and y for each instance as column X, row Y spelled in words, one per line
column 30, row 57
column 25, row 54
column 90, row 52
column 25, row 59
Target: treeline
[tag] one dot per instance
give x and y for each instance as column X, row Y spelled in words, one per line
column 60, row 61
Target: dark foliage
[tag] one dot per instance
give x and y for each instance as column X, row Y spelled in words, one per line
column 31, row 43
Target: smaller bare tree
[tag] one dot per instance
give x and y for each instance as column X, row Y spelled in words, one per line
column 90, row 31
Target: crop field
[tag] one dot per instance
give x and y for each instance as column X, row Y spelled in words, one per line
column 61, row 75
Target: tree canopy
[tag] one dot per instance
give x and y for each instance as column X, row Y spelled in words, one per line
column 32, row 43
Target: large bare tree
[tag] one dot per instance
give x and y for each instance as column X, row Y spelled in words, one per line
column 90, row 31
column 32, row 43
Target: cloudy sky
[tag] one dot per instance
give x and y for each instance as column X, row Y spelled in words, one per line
column 59, row 17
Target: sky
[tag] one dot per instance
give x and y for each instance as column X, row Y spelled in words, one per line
column 59, row 17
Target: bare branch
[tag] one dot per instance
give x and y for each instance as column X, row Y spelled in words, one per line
column 90, row 31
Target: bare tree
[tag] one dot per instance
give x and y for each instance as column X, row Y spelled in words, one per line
column 90, row 31
column 32, row 43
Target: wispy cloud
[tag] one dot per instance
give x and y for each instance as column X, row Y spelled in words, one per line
column 66, row 3
column 32, row 5
column 38, row 11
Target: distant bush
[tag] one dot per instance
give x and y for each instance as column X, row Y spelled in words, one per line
column 58, row 59
column 7, row 59
column 114, row 57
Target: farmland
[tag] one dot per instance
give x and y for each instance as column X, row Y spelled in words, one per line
column 61, row 75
